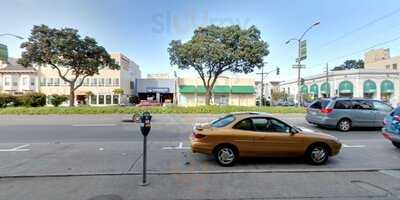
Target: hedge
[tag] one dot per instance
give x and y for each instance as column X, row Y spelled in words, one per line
column 156, row 110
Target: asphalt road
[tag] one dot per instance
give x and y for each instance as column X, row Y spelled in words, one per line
column 85, row 157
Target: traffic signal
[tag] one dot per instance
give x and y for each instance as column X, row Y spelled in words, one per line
column 277, row 71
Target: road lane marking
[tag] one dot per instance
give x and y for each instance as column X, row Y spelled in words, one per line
column 353, row 146
column 18, row 148
column 179, row 147
column 93, row 125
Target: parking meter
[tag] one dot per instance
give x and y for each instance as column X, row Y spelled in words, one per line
column 145, row 127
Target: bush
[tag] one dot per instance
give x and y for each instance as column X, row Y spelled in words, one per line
column 5, row 99
column 57, row 100
column 152, row 110
column 34, row 99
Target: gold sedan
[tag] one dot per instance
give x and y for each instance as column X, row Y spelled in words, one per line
column 259, row 134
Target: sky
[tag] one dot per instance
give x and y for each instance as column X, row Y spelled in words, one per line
column 142, row 30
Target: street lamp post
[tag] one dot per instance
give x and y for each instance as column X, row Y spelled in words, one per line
column 12, row 35
column 299, row 60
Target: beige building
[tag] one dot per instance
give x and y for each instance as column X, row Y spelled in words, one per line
column 16, row 79
column 380, row 59
column 227, row 91
column 98, row 89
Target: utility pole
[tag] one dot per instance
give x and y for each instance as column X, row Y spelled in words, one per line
column 300, row 58
column 262, row 80
column 327, row 79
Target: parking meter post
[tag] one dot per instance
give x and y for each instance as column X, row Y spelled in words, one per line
column 145, row 127
column 144, row 181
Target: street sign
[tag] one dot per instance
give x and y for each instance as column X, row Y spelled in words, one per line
column 303, row 50
column 299, row 66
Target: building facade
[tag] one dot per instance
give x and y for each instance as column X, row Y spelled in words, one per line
column 97, row 90
column 378, row 80
column 226, row 91
column 160, row 89
column 16, row 79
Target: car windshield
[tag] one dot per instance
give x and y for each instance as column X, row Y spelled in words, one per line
column 222, row 122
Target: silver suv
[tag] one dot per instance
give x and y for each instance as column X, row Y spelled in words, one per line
column 344, row 113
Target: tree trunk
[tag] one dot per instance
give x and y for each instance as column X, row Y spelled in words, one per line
column 71, row 96
column 208, row 97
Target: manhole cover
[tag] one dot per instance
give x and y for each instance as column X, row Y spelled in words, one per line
column 106, row 197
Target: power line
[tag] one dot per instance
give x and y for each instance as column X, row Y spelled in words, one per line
column 361, row 50
column 361, row 27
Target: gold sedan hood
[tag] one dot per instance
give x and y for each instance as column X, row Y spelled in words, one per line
column 310, row 132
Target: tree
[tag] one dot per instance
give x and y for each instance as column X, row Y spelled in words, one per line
column 118, row 91
column 65, row 51
column 57, row 100
column 214, row 50
column 350, row 64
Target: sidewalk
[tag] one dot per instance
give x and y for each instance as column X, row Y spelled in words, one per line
column 371, row 185
column 8, row 120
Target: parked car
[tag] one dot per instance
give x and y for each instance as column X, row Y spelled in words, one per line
column 391, row 130
column 344, row 113
column 259, row 134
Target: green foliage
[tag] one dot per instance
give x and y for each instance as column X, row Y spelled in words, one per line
column 214, row 50
column 32, row 99
column 5, row 99
column 118, row 91
column 57, row 100
column 279, row 95
column 134, row 99
column 153, row 110
column 308, row 97
column 65, row 51
column 350, row 64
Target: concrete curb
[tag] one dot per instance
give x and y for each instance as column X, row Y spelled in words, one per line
column 273, row 171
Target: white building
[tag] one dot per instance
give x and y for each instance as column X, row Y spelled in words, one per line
column 378, row 80
column 16, row 79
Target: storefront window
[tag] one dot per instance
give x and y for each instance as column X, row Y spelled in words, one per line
column 101, row 99
column 115, row 99
column 116, row 82
column 93, row 99
column 57, row 82
column 108, row 99
column 101, row 82
column 94, row 82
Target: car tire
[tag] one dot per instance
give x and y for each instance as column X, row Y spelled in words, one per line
column 396, row 144
column 317, row 154
column 226, row 155
column 344, row 125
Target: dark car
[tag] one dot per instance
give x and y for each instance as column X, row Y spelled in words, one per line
column 391, row 130
column 345, row 113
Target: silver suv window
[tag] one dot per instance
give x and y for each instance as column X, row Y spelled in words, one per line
column 343, row 104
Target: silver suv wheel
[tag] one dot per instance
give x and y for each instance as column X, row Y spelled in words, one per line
column 344, row 125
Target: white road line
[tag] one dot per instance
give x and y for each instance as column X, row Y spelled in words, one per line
column 179, row 147
column 18, row 148
column 353, row 146
column 93, row 125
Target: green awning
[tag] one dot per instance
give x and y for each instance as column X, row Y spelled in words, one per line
column 187, row 89
column 201, row 90
column 387, row 87
column 243, row 89
column 314, row 89
column 345, row 87
column 221, row 89
column 369, row 87
column 304, row 89
column 325, row 88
